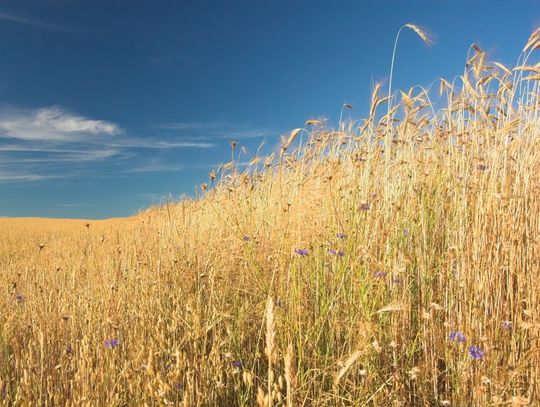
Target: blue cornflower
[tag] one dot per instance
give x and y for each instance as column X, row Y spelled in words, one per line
column 111, row 343
column 397, row 280
column 335, row 252
column 457, row 336
column 301, row 252
column 237, row 364
column 380, row 274
column 341, row 236
column 19, row 298
column 476, row 352
column 246, row 238
column 482, row 167
column 406, row 232
column 364, row 206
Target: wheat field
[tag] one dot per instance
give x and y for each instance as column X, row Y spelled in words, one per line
column 392, row 261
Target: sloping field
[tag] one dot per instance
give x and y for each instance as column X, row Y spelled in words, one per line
column 337, row 271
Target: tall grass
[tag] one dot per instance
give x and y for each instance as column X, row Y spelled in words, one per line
column 326, row 274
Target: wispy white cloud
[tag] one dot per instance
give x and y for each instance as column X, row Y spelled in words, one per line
column 219, row 129
column 246, row 134
column 30, row 21
column 181, row 144
column 52, row 124
column 193, row 125
column 55, row 155
column 74, row 205
column 156, row 167
column 20, row 177
column 53, row 142
column 160, row 144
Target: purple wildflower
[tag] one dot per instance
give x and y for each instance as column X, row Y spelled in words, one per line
column 334, row 252
column 364, row 206
column 506, row 325
column 341, row 236
column 456, row 337
column 69, row 349
column 246, row 238
column 301, row 252
column 19, row 298
column 280, row 303
column 111, row 343
column 237, row 364
column 397, row 280
column 406, row 232
column 476, row 352
column 380, row 274
column 481, row 167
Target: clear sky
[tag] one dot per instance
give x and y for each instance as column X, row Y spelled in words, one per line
column 108, row 106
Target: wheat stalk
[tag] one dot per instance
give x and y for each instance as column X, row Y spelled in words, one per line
column 428, row 41
column 290, row 375
column 351, row 360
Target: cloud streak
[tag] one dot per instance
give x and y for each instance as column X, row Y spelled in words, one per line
column 220, row 130
column 27, row 21
column 155, row 165
column 160, row 144
column 54, row 156
column 194, row 125
column 20, row 177
column 156, row 168
column 53, row 142
column 74, row 205
column 52, row 124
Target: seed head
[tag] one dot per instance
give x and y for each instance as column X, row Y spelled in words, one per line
column 421, row 33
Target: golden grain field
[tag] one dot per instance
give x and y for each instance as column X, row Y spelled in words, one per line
column 393, row 261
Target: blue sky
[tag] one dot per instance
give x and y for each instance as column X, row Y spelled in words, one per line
column 109, row 106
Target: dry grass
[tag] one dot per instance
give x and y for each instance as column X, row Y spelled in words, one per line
column 332, row 273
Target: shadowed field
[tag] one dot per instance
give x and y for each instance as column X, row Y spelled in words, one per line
column 341, row 270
